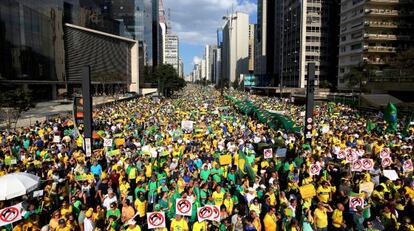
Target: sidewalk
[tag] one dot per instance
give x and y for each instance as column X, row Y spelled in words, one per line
column 44, row 110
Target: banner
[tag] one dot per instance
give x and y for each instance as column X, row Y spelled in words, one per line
column 281, row 152
column 208, row 212
column 183, row 207
column 385, row 153
column 11, row 214
column 267, row 153
column 390, row 174
column 156, row 220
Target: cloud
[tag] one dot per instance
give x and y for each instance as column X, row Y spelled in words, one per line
column 196, row 60
column 196, row 21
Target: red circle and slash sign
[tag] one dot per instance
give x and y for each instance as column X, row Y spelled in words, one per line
column 205, row 212
column 9, row 214
column 156, row 219
column 184, row 206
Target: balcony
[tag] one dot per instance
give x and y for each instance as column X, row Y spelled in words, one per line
column 380, row 24
column 384, row 37
column 379, row 49
column 382, row 12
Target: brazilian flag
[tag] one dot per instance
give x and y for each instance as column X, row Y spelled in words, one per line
column 244, row 167
column 390, row 116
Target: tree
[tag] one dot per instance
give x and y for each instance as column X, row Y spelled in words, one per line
column 13, row 101
column 168, row 79
column 360, row 74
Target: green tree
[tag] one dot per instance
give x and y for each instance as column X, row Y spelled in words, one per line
column 359, row 75
column 168, row 79
column 13, row 101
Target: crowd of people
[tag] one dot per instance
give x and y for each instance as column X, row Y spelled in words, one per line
column 144, row 159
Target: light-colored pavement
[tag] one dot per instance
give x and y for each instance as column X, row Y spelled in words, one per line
column 47, row 109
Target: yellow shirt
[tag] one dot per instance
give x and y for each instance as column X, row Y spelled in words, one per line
column 321, row 218
column 136, row 228
column 200, row 226
column 272, row 198
column 180, row 225
column 148, row 170
column 218, row 198
column 323, row 194
column 141, row 207
column 337, row 218
column 229, row 205
column 66, row 228
column 269, row 222
column 65, row 211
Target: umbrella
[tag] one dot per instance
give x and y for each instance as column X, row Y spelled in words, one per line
column 17, row 184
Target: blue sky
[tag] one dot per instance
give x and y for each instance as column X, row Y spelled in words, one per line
column 196, row 22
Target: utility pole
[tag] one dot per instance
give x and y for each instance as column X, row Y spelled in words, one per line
column 310, row 89
column 87, row 110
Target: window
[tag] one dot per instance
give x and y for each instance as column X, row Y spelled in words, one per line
column 341, row 70
column 312, row 39
column 356, row 46
column 312, row 29
column 356, row 35
column 343, row 38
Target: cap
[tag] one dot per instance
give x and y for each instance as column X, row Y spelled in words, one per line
column 89, row 212
column 62, row 221
column 131, row 222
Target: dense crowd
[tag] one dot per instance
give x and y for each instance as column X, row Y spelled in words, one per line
column 149, row 161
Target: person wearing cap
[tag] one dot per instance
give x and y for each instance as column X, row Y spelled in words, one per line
column 132, row 226
column 88, row 223
column 62, row 226
column 179, row 224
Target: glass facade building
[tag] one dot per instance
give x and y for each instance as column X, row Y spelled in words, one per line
column 32, row 47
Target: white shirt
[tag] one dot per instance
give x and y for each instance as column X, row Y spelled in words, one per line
column 108, row 201
column 88, row 224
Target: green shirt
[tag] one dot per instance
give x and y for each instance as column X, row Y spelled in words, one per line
column 205, row 174
column 115, row 213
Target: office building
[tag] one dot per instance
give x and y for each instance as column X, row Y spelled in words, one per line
column 216, row 67
column 373, row 32
column 40, row 48
column 251, row 47
column 235, row 47
column 180, row 68
column 171, row 51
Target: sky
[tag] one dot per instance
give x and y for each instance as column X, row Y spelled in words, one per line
column 196, row 23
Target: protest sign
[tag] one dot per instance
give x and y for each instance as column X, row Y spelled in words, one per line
column 267, row 153
column 386, row 162
column 107, row 142
column 367, row 164
column 156, row 220
column 366, row 187
column 183, row 206
column 56, row 139
column 385, row 153
column 314, row 169
column 204, row 213
column 357, row 166
column 225, row 159
column 390, row 174
column 113, row 152
column 38, row 193
column 11, row 214
column 281, row 152
column 307, row 191
column 355, row 201
column 119, row 142
column 408, row 166
column 187, row 125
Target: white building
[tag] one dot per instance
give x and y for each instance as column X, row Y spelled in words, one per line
column 180, row 68
column 235, row 47
column 203, row 69
column 171, row 51
column 216, row 69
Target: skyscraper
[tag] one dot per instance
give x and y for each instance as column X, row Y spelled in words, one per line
column 171, row 51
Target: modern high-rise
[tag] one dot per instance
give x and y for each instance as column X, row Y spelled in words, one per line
column 209, row 57
column 309, row 36
column 264, row 38
column 216, row 68
column 235, row 47
column 44, row 45
column 171, row 51
column 180, row 68
column 373, row 31
column 252, row 28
